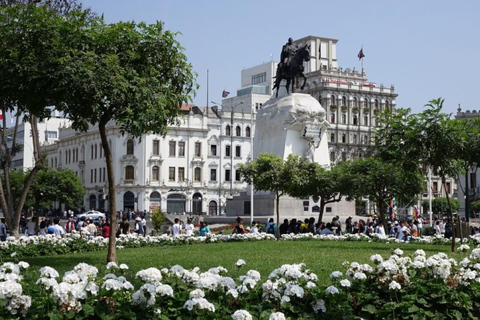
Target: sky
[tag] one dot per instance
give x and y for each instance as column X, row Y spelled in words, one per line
column 426, row 48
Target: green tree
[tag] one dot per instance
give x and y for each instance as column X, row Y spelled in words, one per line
column 31, row 68
column 381, row 181
column 158, row 219
column 269, row 173
column 313, row 180
column 440, row 206
column 425, row 140
column 134, row 75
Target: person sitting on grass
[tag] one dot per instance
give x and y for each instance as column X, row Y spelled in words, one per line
column 239, row 228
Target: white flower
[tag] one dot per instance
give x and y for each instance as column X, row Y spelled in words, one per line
column 319, row 306
column 311, row 285
column 13, row 254
column 240, row 262
column 150, row 275
column 233, row 293
column 241, row 315
column 111, row 265
column 18, row 303
column 23, row 265
column 420, row 252
column 335, row 274
column 165, row 290
column 277, row 316
column 359, row 276
column 376, row 258
column 47, row 283
column 201, row 303
column 464, row 247
column 197, row 293
column 9, row 289
column 398, row 252
column 345, row 283
column 48, row 272
column 332, row 290
column 123, row 266
column 394, row 285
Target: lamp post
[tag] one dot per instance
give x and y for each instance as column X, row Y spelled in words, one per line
column 251, row 158
column 232, row 109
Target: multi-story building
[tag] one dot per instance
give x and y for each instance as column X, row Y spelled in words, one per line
column 188, row 170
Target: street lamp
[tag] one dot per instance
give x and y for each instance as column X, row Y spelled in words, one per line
column 252, row 113
column 232, row 109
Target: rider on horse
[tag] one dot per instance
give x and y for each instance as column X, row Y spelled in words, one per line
column 288, row 52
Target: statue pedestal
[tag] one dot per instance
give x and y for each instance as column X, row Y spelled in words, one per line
column 290, row 124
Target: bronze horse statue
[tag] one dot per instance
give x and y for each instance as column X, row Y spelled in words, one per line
column 293, row 70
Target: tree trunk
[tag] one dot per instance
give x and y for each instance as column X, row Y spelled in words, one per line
column 278, row 213
column 322, row 208
column 450, row 215
column 112, row 240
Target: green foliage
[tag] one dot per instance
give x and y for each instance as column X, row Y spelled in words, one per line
column 381, row 181
column 440, row 205
column 158, row 219
column 475, row 206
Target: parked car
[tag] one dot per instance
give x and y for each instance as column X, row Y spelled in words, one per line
column 92, row 214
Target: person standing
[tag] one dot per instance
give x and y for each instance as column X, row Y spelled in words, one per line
column 3, row 230
column 271, row 227
column 189, row 227
column 176, row 228
column 380, row 229
column 106, row 230
column 69, row 225
column 32, row 227
column 57, row 228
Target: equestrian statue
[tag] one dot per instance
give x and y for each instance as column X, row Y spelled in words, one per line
column 290, row 67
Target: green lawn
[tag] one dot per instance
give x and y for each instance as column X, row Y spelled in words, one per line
column 322, row 257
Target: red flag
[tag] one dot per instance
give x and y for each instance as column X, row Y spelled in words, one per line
column 1, row 116
column 360, row 54
column 225, row 94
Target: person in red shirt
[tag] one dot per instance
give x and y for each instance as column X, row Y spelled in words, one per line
column 106, row 230
column 69, row 225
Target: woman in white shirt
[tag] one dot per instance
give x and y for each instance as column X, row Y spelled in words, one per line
column 189, row 227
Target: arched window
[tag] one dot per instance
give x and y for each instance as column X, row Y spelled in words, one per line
column 333, row 100
column 238, row 131
column 130, row 146
column 355, row 102
column 247, row 132
column 332, row 117
column 212, row 208
column 227, row 130
column 376, row 103
column 344, row 101
column 197, row 174
column 365, row 103
column 387, row 105
column 155, row 173
column 129, row 173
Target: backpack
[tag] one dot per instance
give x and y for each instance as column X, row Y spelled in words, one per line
column 271, row 228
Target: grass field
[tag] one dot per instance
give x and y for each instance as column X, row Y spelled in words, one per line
column 322, row 257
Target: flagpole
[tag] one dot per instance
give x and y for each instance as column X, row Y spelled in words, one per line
column 207, row 93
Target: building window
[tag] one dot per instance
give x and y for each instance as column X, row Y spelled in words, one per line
column 91, row 153
column 129, row 173
column 197, row 175
column 247, row 132
column 227, row 151
column 355, row 119
column 365, row 120
column 332, row 156
column 473, row 179
column 155, row 173
column 181, row 148
column 332, row 117
column 344, row 101
column 376, row 104
column 259, row 78
column 96, row 147
column 344, row 138
column 171, row 148
column 213, row 150
column 227, row 130
column 95, row 175
column 387, row 105
column 91, row 175
column 344, row 118
column 238, row 131
column 447, row 188
column 181, row 174
column 355, row 102
column 333, row 100
column 171, row 174
column 344, row 156
column 435, row 188
column 198, row 149
column 104, row 170
column 156, row 147
column 237, row 175
column 129, row 147
column 227, row 174
column 332, row 137
column 238, row 151
column 213, row 174
column 365, row 103
column 355, row 139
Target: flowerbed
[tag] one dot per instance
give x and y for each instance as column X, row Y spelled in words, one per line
column 75, row 242
column 400, row 287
